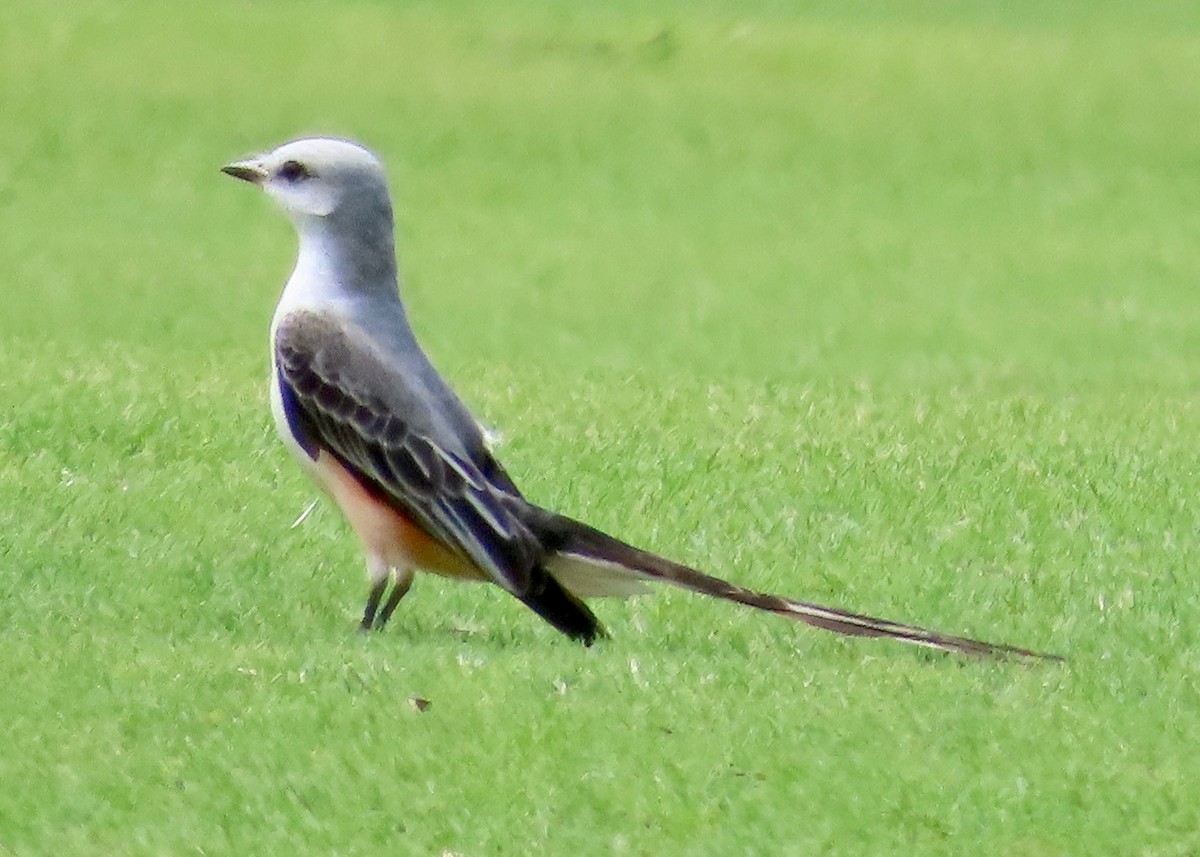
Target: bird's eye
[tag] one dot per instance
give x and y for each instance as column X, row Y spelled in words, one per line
column 293, row 171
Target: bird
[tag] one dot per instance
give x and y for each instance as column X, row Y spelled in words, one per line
column 362, row 408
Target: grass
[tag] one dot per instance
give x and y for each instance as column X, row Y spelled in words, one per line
column 889, row 306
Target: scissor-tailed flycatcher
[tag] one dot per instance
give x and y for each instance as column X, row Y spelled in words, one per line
column 359, row 404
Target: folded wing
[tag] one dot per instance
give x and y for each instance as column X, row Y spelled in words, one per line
column 343, row 396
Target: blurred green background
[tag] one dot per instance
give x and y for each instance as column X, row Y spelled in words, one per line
column 886, row 305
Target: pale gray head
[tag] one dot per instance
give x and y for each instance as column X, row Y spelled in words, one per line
column 336, row 192
column 317, row 177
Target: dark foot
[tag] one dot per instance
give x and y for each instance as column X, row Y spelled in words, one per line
column 373, row 597
column 398, row 592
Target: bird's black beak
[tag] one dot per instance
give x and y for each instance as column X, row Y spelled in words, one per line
column 247, row 171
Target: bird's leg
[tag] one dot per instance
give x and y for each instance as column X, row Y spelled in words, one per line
column 377, row 574
column 373, row 597
column 404, row 579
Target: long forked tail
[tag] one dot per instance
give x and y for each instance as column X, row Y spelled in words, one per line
column 591, row 562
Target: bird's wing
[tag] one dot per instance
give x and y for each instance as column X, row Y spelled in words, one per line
column 342, row 395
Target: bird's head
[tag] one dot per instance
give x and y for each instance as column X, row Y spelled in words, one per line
column 319, row 178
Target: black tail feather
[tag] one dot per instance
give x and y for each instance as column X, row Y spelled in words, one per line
column 568, row 536
column 564, row 611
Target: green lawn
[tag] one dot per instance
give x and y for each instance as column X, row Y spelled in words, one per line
column 892, row 306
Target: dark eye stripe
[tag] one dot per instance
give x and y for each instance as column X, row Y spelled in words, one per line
column 292, row 171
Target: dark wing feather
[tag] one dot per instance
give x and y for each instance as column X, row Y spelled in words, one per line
column 341, row 396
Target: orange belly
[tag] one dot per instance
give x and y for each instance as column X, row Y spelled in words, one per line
column 385, row 532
